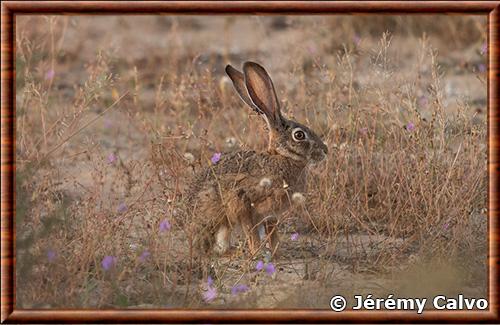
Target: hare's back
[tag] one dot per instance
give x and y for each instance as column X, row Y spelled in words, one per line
column 247, row 164
column 250, row 171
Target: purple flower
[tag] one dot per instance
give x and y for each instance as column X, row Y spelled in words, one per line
column 51, row 255
column 356, row 39
column 165, row 225
column 312, row 49
column 215, row 158
column 239, row 288
column 122, row 207
column 144, row 256
column 481, row 67
column 423, row 101
column 446, row 226
column 484, row 48
column 111, row 158
column 294, row 236
column 270, row 269
column 50, row 74
column 410, row 126
column 363, row 131
column 210, row 294
column 108, row 262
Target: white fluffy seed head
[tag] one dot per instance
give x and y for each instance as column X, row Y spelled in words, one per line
column 189, row 157
column 265, row 182
column 231, row 142
column 298, row 198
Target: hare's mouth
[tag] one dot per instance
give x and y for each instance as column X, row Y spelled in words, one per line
column 318, row 156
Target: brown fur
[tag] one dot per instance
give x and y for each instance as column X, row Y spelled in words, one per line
column 232, row 191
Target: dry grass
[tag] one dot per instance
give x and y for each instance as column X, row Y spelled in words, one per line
column 115, row 114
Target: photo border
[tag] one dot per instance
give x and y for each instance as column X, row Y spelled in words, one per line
column 9, row 10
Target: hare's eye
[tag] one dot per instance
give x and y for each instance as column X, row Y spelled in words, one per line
column 298, row 135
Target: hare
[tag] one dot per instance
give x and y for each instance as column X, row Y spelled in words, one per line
column 250, row 188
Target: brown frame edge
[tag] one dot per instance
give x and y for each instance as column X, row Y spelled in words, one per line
column 10, row 8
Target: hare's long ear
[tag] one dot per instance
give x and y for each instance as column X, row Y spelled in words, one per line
column 261, row 90
column 239, row 84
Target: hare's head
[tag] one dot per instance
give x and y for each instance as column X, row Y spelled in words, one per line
column 286, row 137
